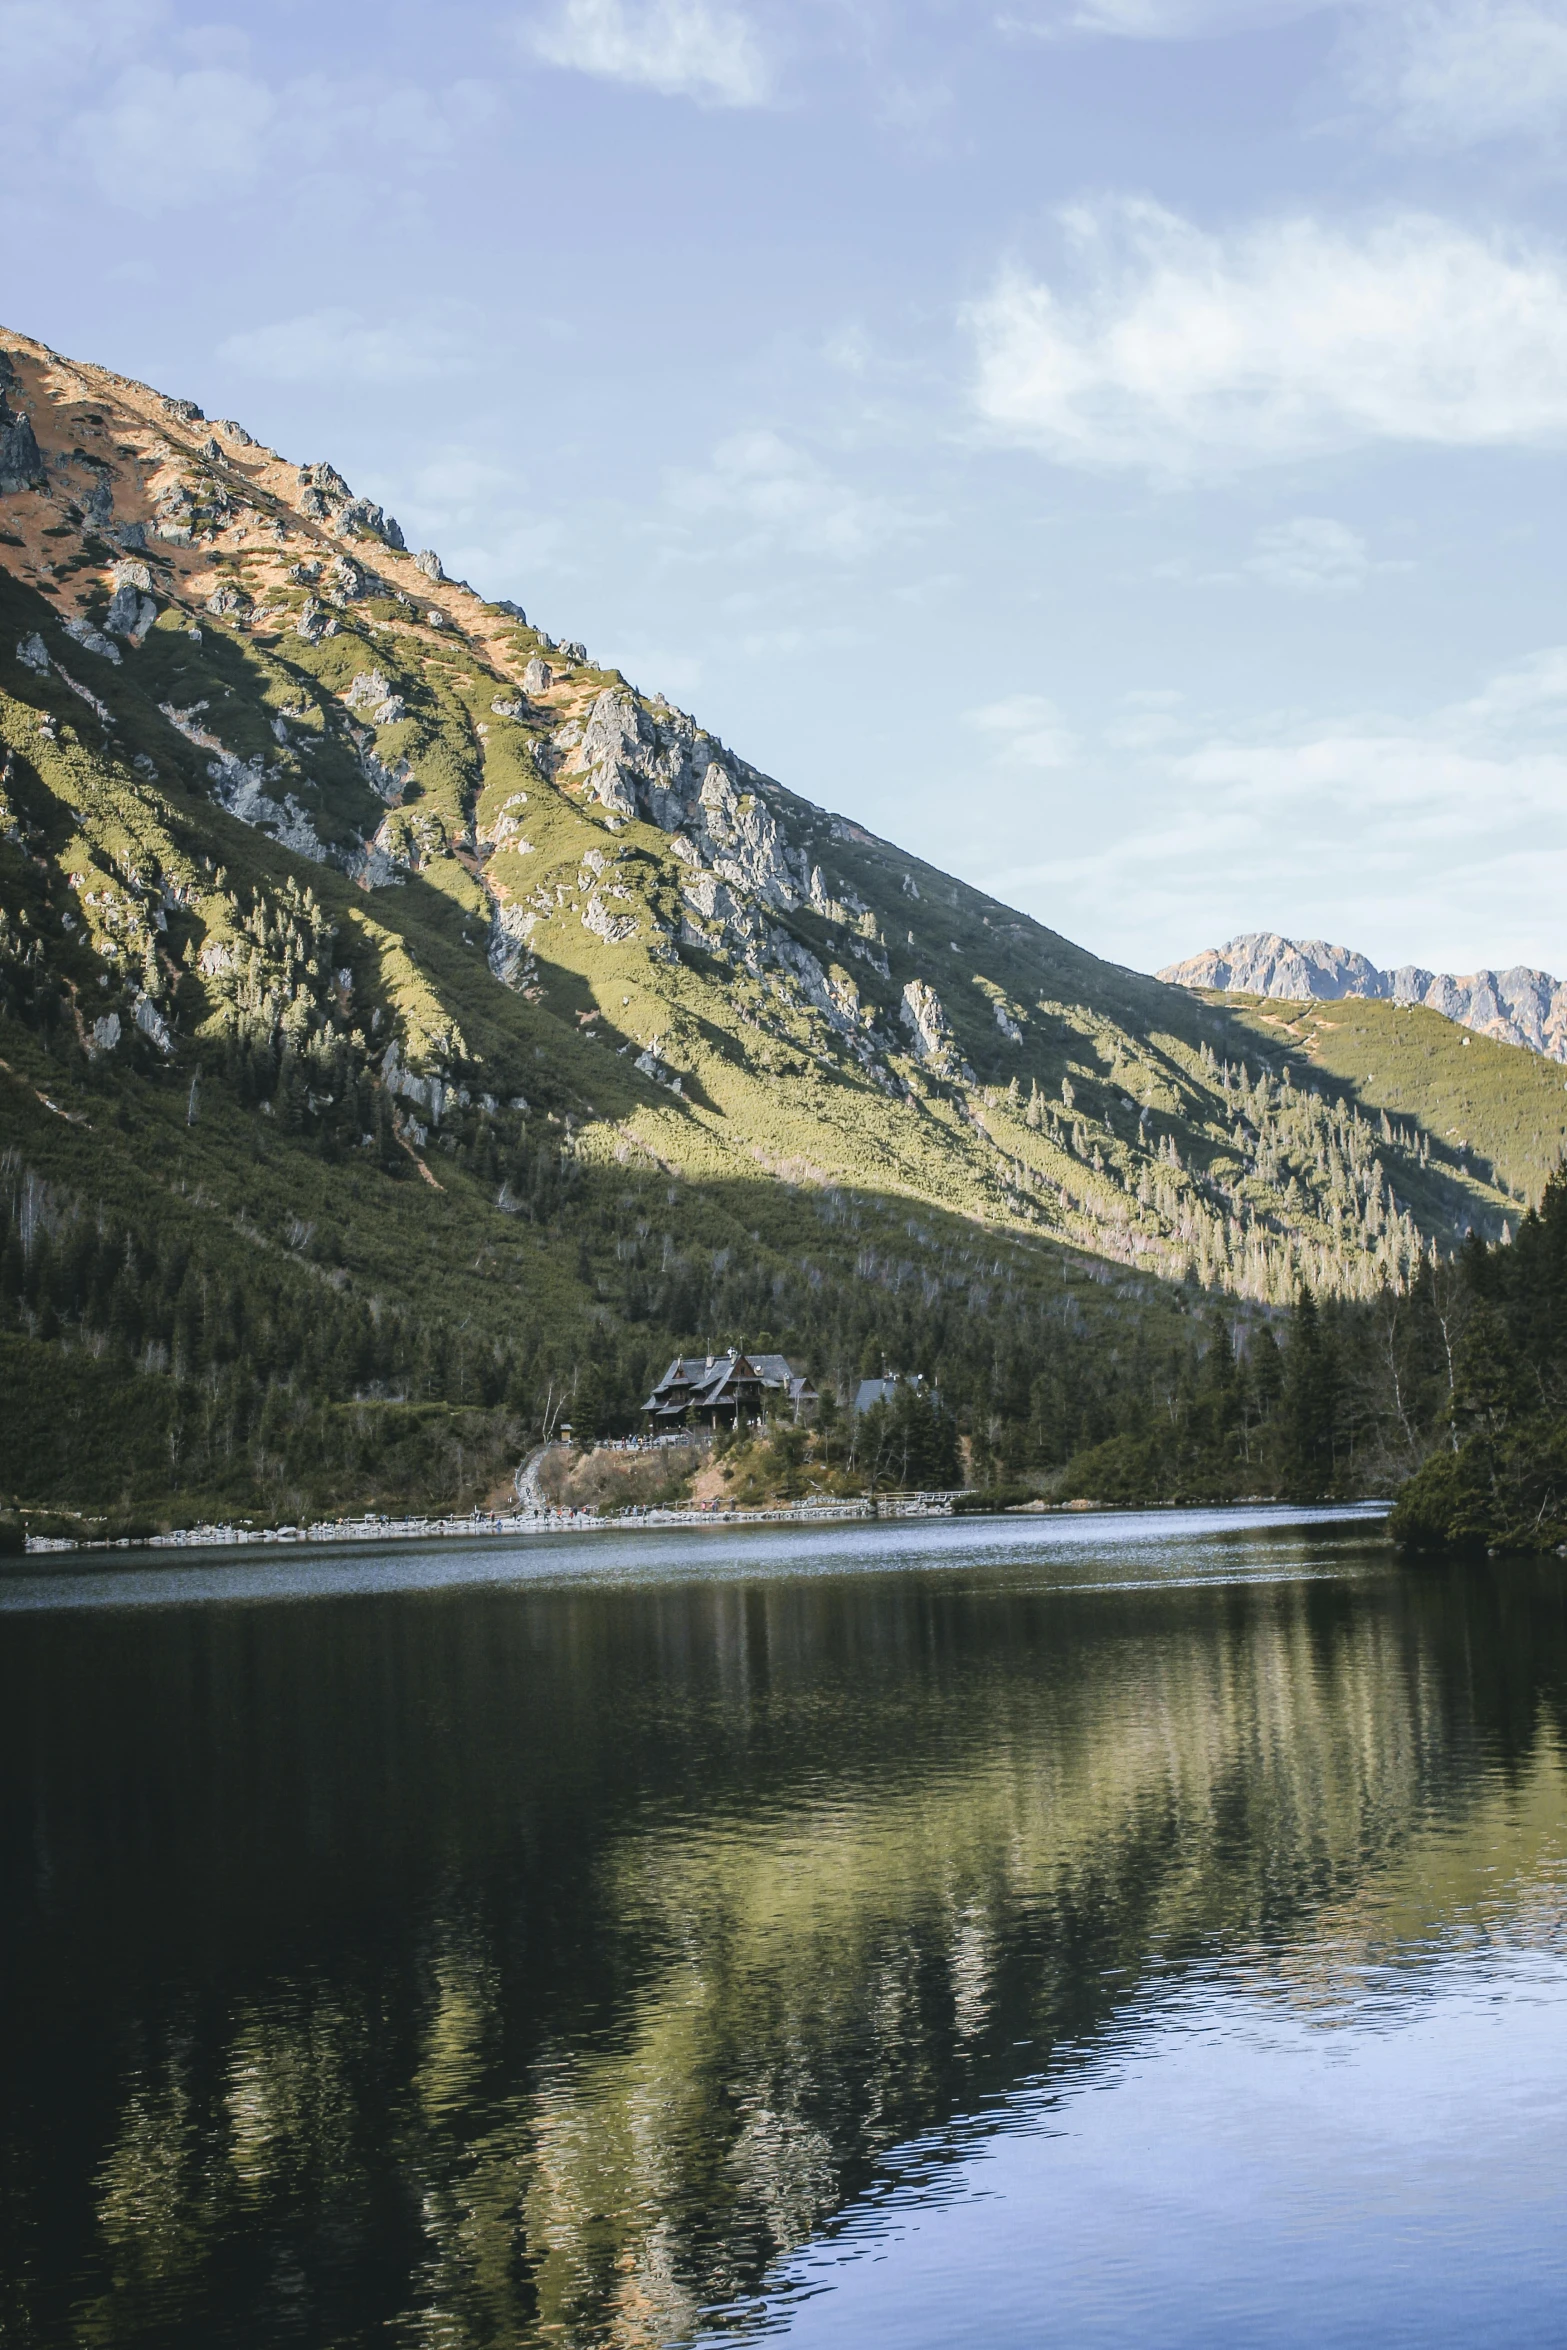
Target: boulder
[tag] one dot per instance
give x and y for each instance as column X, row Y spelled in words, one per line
column 538, row 677
column 32, row 654
column 575, row 652
column 372, row 694
column 429, row 562
column 313, row 623
column 130, row 613
column 132, row 537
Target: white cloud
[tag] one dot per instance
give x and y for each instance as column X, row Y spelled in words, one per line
column 1180, row 352
column 340, row 346
column 1439, row 839
column 1150, row 20
column 699, row 49
column 1452, row 73
column 1027, row 731
column 782, row 496
column 51, row 46
column 161, row 138
column 1313, row 555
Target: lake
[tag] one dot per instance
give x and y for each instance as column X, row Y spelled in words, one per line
column 1134, row 1930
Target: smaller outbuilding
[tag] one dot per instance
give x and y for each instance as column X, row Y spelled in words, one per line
column 874, row 1391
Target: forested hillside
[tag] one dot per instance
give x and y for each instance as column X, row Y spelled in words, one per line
column 404, row 1021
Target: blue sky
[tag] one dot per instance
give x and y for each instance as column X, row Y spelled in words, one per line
column 1114, row 447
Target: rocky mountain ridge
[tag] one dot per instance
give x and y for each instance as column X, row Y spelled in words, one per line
column 1518, row 1006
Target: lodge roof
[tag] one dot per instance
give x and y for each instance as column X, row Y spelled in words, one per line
column 695, row 1381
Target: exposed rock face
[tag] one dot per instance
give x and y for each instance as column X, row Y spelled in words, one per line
column 33, row 654
column 21, row 459
column 1263, row 963
column 131, row 612
column 1516, row 1006
column 347, row 579
column 98, row 505
column 429, row 562
column 538, row 677
column 106, row 1033
column 313, row 623
column 364, row 514
column 606, row 924
column 924, row 1017
column 92, row 640
column 371, row 693
column 152, row 1024
column 240, row 785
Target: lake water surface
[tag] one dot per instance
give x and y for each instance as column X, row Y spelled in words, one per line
column 1112, row 1931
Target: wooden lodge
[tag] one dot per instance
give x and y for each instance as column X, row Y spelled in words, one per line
column 731, row 1390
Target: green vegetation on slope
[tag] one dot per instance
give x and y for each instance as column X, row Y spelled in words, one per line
column 1499, row 1477
column 1472, row 1111
column 403, row 1023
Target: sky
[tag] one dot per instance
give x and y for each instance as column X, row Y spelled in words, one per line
column 1113, row 448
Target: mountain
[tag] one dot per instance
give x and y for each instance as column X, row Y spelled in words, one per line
column 1517, row 1006
column 406, row 1021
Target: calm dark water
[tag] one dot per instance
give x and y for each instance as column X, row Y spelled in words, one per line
column 1121, row 1932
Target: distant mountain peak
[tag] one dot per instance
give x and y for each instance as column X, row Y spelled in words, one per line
column 1516, row 1006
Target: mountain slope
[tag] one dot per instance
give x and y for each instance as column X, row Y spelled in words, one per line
column 403, row 1015
column 1517, row 1006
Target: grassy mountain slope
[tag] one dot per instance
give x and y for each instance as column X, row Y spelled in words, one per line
column 1488, row 1109
column 404, row 1016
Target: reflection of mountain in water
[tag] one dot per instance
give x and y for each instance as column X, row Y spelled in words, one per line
column 451, row 1970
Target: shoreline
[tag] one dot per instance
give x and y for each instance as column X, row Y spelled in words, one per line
column 488, row 1525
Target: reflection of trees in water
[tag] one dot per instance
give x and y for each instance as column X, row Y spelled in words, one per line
column 672, row 1953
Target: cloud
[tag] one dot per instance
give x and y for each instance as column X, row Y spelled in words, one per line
column 783, row 497
column 700, row 49
column 52, row 46
column 1313, row 555
column 1151, row 20
column 340, row 346
column 165, row 138
column 1179, row 352
column 1453, row 73
column 1026, row 730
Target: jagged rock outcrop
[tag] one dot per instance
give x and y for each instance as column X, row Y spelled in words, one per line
column 131, row 608
column 21, row 459
column 1516, row 1006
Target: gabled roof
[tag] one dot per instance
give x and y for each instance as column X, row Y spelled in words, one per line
column 706, row 1380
